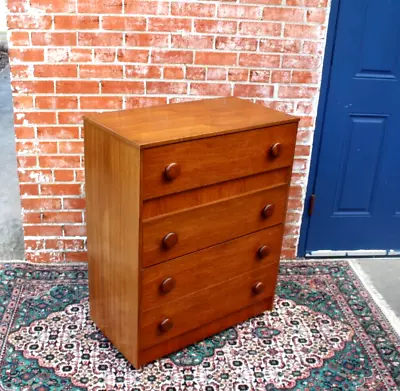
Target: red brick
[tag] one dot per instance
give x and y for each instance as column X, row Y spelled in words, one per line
column 65, row 244
column 105, row 55
column 100, row 103
column 100, row 71
column 55, row 133
column 192, row 9
column 123, row 23
column 267, row 2
column 316, row 16
column 32, row 245
column 36, row 147
column 150, row 40
column 64, row 175
column 171, row 57
column 30, row 189
column 30, row 22
column 260, row 28
column 260, row 76
column 26, row 161
column 122, row 87
column 62, row 217
column 132, row 55
column 280, row 76
column 301, row 62
column 100, row 6
column 21, row 71
column 213, row 89
column 159, row 87
column 22, row 102
column 75, row 230
column 144, row 101
column 53, row 39
column 32, row 218
column 284, row 14
column 74, row 203
column 60, row 189
column 19, row 38
column 99, row 39
column 235, row 74
column 77, row 87
column 143, row 71
column 254, row 90
column 80, row 55
column 35, row 176
column 296, row 92
column 59, row 71
column 35, row 117
column 239, row 12
column 169, row 24
column 212, row 58
column 56, row 102
column 312, row 47
column 216, row 74
column 41, row 203
column 195, row 73
column 26, row 55
column 259, row 60
column 302, row 31
column 280, row 45
column 236, row 43
column 49, row 6
column 24, row 132
column 215, row 26
column 42, row 230
column 76, row 22
column 305, row 77
column 32, row 87
column 59, row 161
column 76, row 256
column 18, row 6
column 80, row 176
column 173, row 72
column 192, row 41
column 70, row 117
column 60, row 54
column 146, row 7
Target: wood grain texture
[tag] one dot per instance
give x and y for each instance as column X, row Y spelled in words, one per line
column 212, row 223
column 202, row 332
column 203, row 269
column 217, row 159
column 165, row 124
column 203, row 195
column 113, row 204
column 206, row 305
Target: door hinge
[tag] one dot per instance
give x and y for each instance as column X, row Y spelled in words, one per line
column 311, row 204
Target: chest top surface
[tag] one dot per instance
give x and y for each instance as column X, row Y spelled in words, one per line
column 166, row 124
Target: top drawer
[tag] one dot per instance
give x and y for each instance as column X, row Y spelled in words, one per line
column 187, row 165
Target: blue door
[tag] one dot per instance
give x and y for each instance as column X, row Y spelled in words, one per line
column 357, row 182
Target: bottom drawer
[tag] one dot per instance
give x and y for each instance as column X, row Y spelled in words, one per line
column 189, row 312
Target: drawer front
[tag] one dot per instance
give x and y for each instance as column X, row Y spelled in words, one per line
column 202, row 269
column 181, row 315
column 175, row 234
column 177, row 167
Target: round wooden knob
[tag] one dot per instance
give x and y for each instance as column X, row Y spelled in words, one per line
column 170, row 240
column 263, row 252
column 167, row 285
column 275, row 150
column 172, row 171
column 165, row 325
column 268, row 211
column 258, row 288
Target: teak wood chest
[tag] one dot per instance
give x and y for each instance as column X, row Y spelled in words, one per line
column 185, row 211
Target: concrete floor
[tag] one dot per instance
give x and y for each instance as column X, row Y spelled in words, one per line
column 384, row 274
column 11, row 236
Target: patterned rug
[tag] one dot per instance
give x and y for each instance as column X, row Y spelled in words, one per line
column 325, row 333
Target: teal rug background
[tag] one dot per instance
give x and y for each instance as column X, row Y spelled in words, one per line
column 325, row 333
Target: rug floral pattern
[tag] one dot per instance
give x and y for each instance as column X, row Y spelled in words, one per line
column 325, row 333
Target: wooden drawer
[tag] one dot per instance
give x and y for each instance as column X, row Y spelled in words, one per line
column 175, row 234
column 177, row 167
column 181, row 315
column 202, row 269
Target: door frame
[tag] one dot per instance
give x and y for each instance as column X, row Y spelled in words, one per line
column 319, row 124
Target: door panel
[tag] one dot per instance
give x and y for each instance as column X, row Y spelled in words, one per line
column 358, row 176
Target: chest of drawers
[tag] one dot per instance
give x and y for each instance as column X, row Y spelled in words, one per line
column 185, row 211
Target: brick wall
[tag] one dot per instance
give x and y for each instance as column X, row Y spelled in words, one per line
column 73, row 56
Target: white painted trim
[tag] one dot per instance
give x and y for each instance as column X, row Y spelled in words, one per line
column 376, row 296
column 350, row 253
